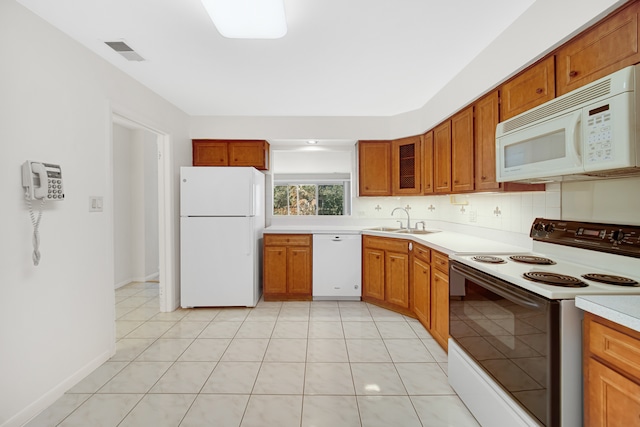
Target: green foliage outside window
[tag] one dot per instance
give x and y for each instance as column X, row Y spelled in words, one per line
column 308, row 199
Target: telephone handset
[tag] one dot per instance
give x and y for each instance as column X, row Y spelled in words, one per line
column 42, row 181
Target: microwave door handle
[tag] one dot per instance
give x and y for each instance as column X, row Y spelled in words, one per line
column 575, row 135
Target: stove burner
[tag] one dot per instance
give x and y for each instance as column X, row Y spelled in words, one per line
column 611, row 280
column 530, row 259
column 489, row 259
column 554, row 279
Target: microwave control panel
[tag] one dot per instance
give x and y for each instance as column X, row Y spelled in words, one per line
column 599, row 147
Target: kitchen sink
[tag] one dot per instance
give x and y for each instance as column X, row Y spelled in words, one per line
column 390, row 229
column 404, row 230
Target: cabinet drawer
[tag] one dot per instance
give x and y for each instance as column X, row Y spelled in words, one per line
column 422, row 252
column 441, row 262
column 387, row 244
column 287, row 239
column 614, row 347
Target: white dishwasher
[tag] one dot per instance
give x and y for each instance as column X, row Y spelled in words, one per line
column 337, row 266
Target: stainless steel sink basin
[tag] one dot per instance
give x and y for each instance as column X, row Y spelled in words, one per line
column 404, row 230
column 390, row 229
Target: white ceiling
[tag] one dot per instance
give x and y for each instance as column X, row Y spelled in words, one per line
column 338, row 58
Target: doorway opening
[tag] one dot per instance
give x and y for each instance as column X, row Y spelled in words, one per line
column 149, row 256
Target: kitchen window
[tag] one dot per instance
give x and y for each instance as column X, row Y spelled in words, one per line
column 311, row 194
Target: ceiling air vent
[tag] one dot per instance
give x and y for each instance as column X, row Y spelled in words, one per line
column 123, row 49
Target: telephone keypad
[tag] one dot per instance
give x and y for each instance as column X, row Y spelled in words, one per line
column 55, row 189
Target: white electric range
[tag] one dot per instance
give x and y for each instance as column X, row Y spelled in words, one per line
column 515, row 333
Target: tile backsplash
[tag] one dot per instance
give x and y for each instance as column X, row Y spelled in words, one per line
column 512, row 212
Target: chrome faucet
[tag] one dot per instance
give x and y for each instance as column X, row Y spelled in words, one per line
column 408, row 217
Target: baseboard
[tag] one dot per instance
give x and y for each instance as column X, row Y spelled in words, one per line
column 148, row 278
column 56, row 392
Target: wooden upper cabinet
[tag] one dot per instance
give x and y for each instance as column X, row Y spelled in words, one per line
column 486, row 111
column 609, row 46
column 442, row 157
column 462, row 151
column 209, row 153
column 406, row 166
column 249, row 153
column 374, row 168
column 427, row 163
column 223, row 152
column 529, row 89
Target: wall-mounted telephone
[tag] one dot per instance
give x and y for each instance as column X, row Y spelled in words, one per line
column 42, row 181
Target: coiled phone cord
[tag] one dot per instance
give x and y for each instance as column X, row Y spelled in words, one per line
column 36, row 233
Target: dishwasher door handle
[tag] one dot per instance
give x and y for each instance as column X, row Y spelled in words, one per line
column 336, row 239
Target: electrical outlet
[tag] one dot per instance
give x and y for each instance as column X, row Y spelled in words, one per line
column 473, row 216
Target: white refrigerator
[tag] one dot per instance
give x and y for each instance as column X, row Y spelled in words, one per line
column 221, row 226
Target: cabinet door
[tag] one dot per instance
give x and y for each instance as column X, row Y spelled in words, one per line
column 373, row 274
column 374, row 168
column 406, row 166
column 462, row 151
column 249, row 153
column 299, row 270
column 421, row 292
column 530, row 88
column 440, row 307
column 427, row 163
column 209, row 153
column 442, row 157
column 397, row 279
column 486, row 112
column 612, row 399
column 607, row 47
column 275, row 269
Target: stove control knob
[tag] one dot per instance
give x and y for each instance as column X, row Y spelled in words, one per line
column 617, row 236
column 538, row 226
column 549, row 228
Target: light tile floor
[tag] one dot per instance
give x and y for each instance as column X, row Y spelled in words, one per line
column 320, row 363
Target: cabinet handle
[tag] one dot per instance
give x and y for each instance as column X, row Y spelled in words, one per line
column 539, row 90
column 424, row 271
column 455, row 181
column 445, row 183
column 428, row 185
column 573, row 73
column 484, row 177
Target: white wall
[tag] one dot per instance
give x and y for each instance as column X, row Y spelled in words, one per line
column 150, row 197
column 135, row 205
column 57, row 319
column 614, row 201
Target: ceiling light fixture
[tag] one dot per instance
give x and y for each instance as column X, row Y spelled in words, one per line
column 248, row 19
column 312, row 142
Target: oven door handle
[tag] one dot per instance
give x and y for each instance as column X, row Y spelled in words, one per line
column 504, row 291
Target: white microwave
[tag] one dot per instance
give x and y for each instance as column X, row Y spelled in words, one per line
column 589, row 133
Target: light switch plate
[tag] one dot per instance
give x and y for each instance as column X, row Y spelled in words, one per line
column 95, row 203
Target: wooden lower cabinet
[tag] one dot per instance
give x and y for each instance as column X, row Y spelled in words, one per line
column 421, row 284
column 385, row 273
column 287, row 267
column 440, row 298
column 611, row 373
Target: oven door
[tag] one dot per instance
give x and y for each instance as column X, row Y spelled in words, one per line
column 512, row 335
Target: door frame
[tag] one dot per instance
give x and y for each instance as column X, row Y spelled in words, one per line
column 168, row 292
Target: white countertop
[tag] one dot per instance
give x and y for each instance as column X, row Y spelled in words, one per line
column 447, row 242
column 624, row 310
